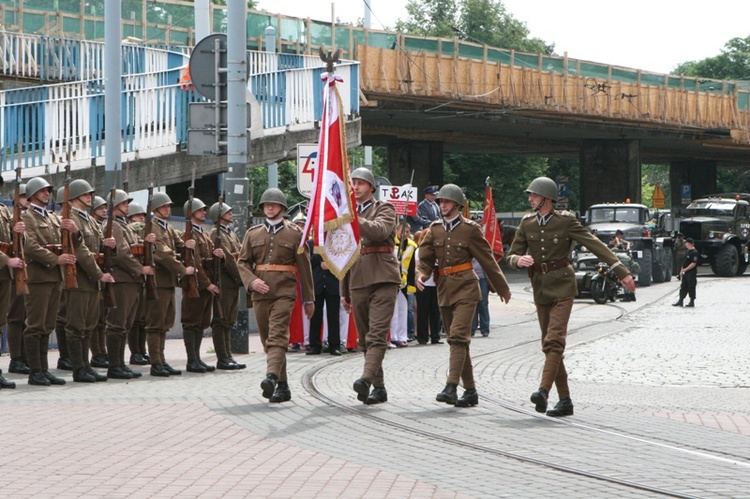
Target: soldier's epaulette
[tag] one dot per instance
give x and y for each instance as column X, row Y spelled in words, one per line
column 292, row 226
column 436, row 222
column 255, row 226
column 529, row 215
column 565, row 213
column 469, row 221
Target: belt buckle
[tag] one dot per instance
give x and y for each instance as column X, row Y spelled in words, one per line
column 545, row 268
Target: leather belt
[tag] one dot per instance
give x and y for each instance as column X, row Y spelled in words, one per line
column 545, row 267
column 375, row 249
column 455, row 269
column 57, row 249
column 276, row 268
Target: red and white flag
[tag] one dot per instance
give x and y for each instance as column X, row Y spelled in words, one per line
column 490, row 227
column 331, row 217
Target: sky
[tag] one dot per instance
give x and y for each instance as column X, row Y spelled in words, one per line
column 651, row 35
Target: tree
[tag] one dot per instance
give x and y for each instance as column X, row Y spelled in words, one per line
column 488, row 22
column 733, row 63
column 430, row 18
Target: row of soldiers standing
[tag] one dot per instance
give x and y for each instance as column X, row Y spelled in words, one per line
column 79, row 309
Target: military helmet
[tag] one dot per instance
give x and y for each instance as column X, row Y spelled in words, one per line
column 120, row 197
column 365, row 174
column 79, row 187
column 35, row 185
column 22, row 189
column 197, row 205
column 273, row 195
column 452, row 192
column 98, row 202
column 543, row 186
column 214, row 213
column 136, row 209
column 60, row 195
column 160, row 199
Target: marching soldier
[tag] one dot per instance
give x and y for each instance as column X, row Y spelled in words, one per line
column 371, row 285
column 270, row 267
column 542, row 244
column 82, row 303
column 196, row 312
column 98, row 340
column 169, row 270
column 127, row 270
column 137, row 334
column 17, row 315
column 6, row 263
column 221, row 327
column 45, row 262
column 453, row 243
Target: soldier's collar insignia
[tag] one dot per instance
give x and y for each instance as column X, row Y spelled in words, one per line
column 82, row 214
column 364, row 206
column 224, row 229
column 162, row 223
column 198, row 228
column 121, row 219
column 40, row 210
column 543, row 219
column 273, row 228
column 449, row 225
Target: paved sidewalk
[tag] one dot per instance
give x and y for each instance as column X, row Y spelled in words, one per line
column 661, row 399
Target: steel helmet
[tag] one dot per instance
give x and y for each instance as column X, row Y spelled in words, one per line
column 60, row 195
column 79, row 187
column 273, row 195
column 197, row 205
column 22, row 189
column 120, row 197
column 159, row 199
column 543, row 186
column 136, row 209
column 365, row 174
column 452, row 192
column 214, row 213
column 98, row 202
column 35, row 185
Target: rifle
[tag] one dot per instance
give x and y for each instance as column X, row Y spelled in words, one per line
column 218, row 312
column 67, row 238
column 108, row 292
column 126, row 180
column 191, row 282
column 402, row 239
column 148, row 248
column 19, row 275
column 250, row 206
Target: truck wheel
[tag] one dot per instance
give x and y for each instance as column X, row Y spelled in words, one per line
column 646, row 263
column 727, row 261
column 741, row 268
column 658, row 271
column 668, row 265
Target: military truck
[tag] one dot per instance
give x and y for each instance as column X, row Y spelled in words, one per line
column 653, row 253
column 720, row 224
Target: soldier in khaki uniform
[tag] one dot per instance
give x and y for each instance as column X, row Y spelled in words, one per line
column 542, row 245
column 196, row 312
column 82, row 303
column 230, row 280
column 7, row 262
column 369, row 288
column 98, row 340
column 169, row 270
column 17, row 314
column 270, row 267
column 128, row 273
column 137, row 333
column 453, row 243
column 45, row 261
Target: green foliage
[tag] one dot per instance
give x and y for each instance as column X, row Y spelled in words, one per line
column 733, row 63
column 430, row 18
column 650, row 176
column 732, row 180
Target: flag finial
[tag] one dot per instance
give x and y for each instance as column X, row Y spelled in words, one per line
column 329, row 58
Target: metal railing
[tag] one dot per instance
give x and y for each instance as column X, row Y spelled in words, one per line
column 48, row 126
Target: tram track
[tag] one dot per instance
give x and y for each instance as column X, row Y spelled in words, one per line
column 310, row 384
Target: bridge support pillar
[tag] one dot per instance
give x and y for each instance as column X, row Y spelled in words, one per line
column 206, row 189
column 698, row 176
column 610, row 171
column 425, row 158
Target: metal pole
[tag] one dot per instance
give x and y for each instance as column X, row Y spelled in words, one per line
column 368, row 9
column 112, row 88
column 273, row 169
column 237, row 143
column 202, row 19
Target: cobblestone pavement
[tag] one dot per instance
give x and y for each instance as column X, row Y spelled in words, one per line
column 661, row 396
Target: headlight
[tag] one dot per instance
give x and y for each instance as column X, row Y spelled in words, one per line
column 715, row 235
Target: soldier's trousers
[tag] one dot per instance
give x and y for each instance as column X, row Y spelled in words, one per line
column 221, row 329
column 16, row 325
column 457, row 320
column 137, row 333
column 82, row 311
column 273, row 317
column 42, row 304
column 98, row 339
column 5, row 293
column 373, row 310
column 196, row 316
column 120, row 320
column 553, row 320
column 60, row 321
column 159, row 320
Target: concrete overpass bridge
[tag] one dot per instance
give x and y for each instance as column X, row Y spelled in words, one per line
column 422, row 97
